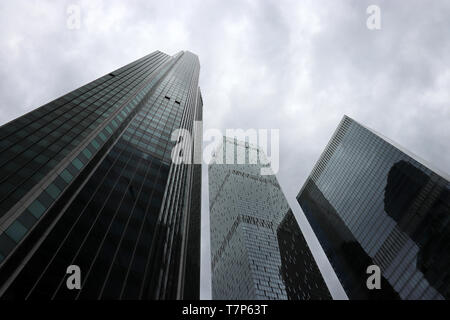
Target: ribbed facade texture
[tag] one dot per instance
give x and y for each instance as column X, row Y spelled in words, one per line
column 372, row 203
column 257, row 248
column 88, row 180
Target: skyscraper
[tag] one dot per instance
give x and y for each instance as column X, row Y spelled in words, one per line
column 372, row 203
column 87, row 180
column 257, row 248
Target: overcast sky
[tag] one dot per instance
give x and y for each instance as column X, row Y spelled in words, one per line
column 297, row 66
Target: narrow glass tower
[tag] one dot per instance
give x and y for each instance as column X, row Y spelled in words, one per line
column 370, row 202
column 87, row 180
column 257, row 248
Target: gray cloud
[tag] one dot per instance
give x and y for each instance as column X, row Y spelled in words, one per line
column 293, row 65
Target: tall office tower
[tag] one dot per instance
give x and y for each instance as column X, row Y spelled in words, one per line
column 257, row 248
column 372, row 203
column 88, row 180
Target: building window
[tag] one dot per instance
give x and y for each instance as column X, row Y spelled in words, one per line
column 67, row 177
column 36, row 209
column 77, row 163
column 16, row 231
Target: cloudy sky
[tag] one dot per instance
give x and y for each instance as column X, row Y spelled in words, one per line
column 297, row 66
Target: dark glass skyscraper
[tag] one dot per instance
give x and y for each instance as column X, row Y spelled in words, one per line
column 257, row 248
column 372, row 203
column 88, row 180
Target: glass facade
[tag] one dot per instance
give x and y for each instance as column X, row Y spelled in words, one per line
column 88, row 180
column 257, row 248
column 372, row 203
